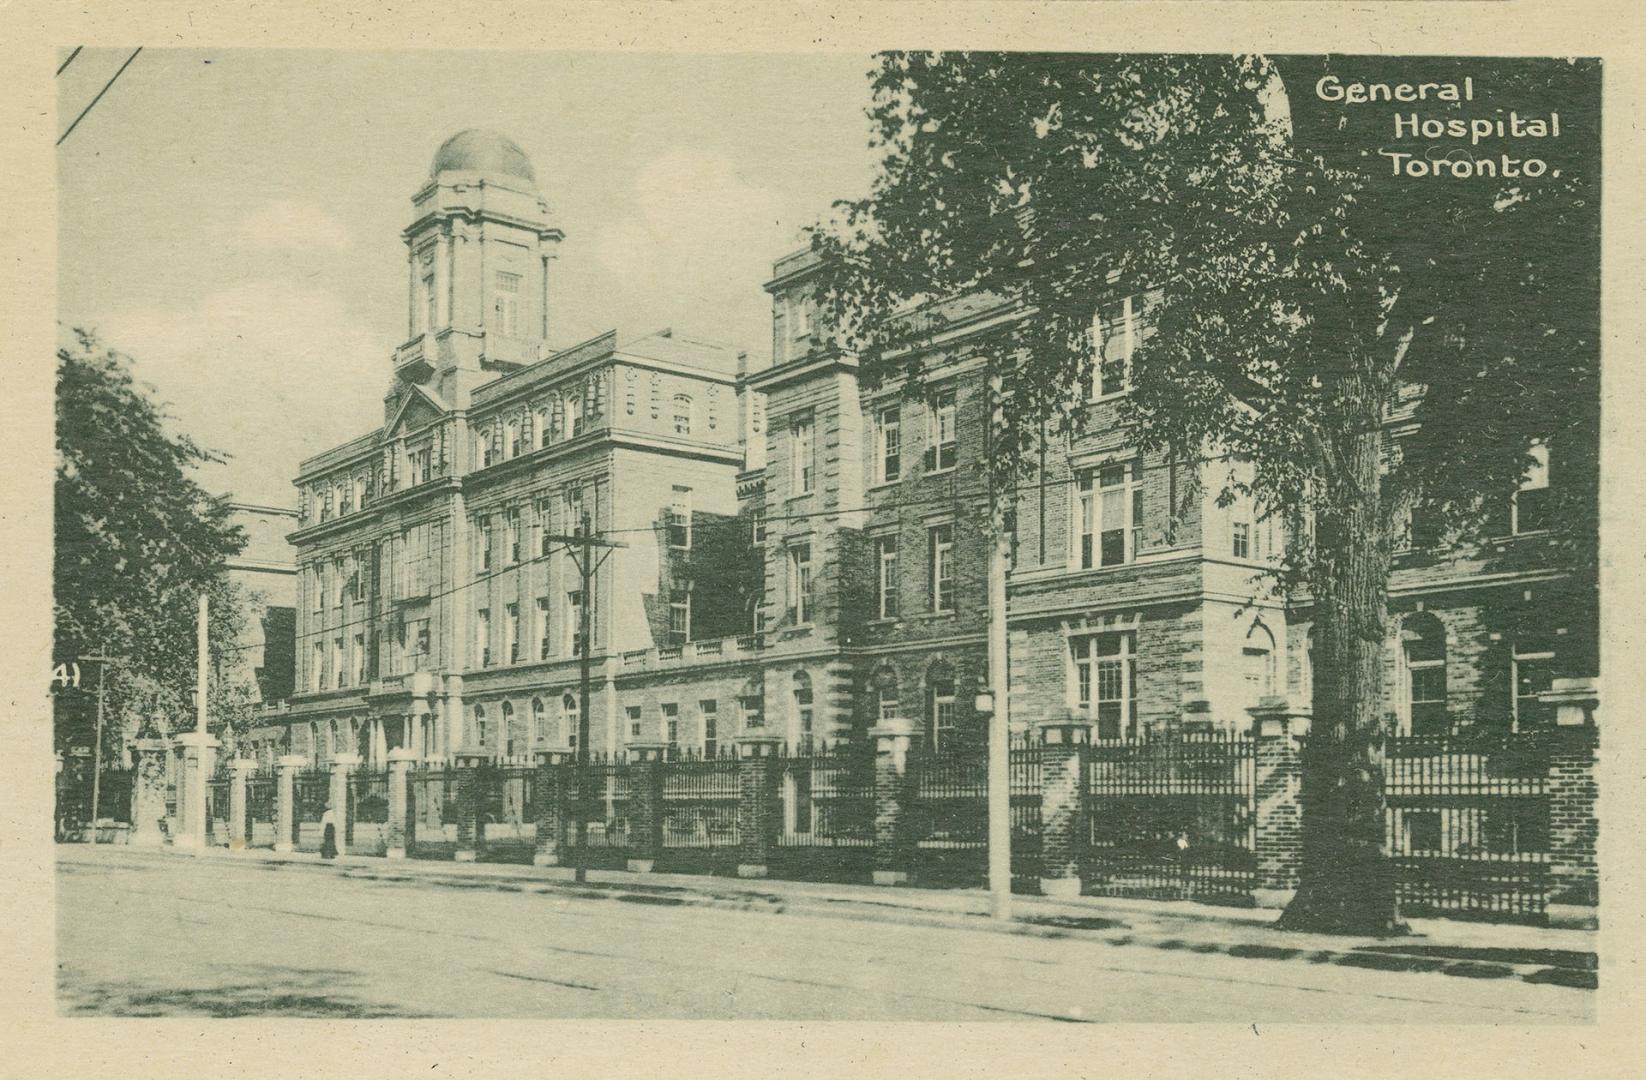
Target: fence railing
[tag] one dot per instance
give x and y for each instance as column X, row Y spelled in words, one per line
column 700, row 801
column 828, row 798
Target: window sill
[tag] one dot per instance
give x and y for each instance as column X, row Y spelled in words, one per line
column 946, row 470
column 879, row 485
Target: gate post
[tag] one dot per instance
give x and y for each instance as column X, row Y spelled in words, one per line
column 240, row 770
column 471, row 780
column 1574, row 880
column 759, row 813
column 894, row 789
column 285, row 817
column 148, row 799
column 1277, row 776
column 197, row 767
column 550, row 791
column 342, row 813
column 645, row 805
column 400, row 825
column 1063, row 742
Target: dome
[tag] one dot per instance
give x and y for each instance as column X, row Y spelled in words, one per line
column 478, row 150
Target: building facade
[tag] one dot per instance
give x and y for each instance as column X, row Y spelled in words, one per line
column 782, row 548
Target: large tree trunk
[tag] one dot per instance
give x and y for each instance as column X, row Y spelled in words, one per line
column 1346, row 881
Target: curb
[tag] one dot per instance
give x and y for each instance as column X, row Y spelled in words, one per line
column 1117, row 926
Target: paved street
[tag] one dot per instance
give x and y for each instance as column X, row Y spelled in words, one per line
column 154, row 936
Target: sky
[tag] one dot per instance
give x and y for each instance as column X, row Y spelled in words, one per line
column 231, row 219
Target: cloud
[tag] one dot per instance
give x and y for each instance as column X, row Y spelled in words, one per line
column 289, row 225
column 263, row 371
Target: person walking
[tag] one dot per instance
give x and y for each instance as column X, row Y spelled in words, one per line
column 328, row 834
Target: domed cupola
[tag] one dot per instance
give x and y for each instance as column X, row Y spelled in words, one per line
column 478, row 150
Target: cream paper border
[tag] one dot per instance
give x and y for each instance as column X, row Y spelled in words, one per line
column 34, row 1042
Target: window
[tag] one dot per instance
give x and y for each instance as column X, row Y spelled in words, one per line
column 543, row 624
column 1108, row 515
column 1423, row 643
column 759, row 517
column 1115, row 334
column 941, row 546
column 1422, row 830
column 511, row 438
column 633, row 713
column 800, row 317
column 682, row 414
column 511, row 630
column 417, row 465
column 572, row 510
column 944, row 713
column 1532, row 662
column 506, row 303
column 570, row 718
column 571, row 413
column 483, row 637
column 680, row 518
column 888, row 451
column 671, row 728
column 800, row 730
column 339, row 673
column 803, row 469
column 800, row 584
column 338, row 581
column 318, row 587
column 573, row 636
column 430, row 296
column 680, row 616
column 480, row 732
column 752, row 709
column 359, row 659
column 1242, row 548
column 483, row 541
column 505, row 729
column 940, row 434
column 1258, row 664
column 708, row 710
column 540, row 721
column 1529, row 509
column 512, row 524
column 483, row 447
column 317, row 667
column 419, row 633
column 886, row 703
column 886, row 559
column 1105, row 682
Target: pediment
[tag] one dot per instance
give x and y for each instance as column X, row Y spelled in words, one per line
column 418, row 410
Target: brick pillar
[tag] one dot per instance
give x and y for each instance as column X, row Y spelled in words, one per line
column 199, row 752
column 1062, row 802
column 759, row 802
column 148, row 800
column 1277, row 780
column 1574, row 827
column 400, row 821
column 550, row 791
column 341, row 766
column 240, row 770
column 471, row 788
column 894, row 782
column 645, row 804
column 285, row 819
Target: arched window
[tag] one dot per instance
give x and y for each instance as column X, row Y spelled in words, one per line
column 333, row 741
column 314, row 742
column 942, row 713
column 800, row 722
column 570, row 718
column 480, row 726
column 1423, row 651
column 540, row 425
column 1258, row 664
column 571, row 425
column 507, row 732
column 683, row 414
column 540, row 721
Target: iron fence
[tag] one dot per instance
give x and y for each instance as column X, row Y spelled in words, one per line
column 507, row 820
column 432, row 812
column 1025, row 787
column 700, row 803
column 368, row 820
column 1171, row 817
column 262, row 807
column 310, row 795
column 828, row 798
column 950, row 805
column 1467, row 823
column 598, row 795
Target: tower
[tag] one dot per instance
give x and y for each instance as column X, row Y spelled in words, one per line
column 477, row 255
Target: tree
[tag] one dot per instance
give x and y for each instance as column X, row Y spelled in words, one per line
column 137, row 540
column 1291, row 293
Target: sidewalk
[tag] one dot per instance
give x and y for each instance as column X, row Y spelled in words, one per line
column 1453, row 947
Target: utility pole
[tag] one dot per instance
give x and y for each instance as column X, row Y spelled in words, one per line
column 103, row 660
column 581, row 546
column 999, row 776
column 202, row 673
